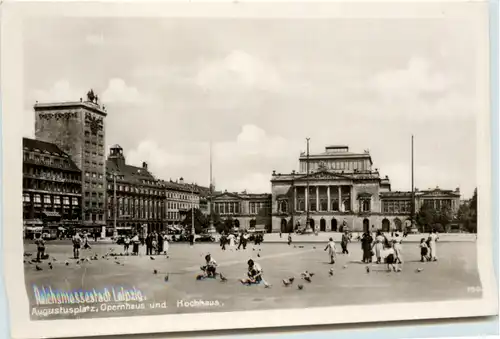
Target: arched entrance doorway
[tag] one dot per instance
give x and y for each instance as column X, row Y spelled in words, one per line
column 311, row 223
column 399, row 224
column 322, row 225
column 366, row 225
column 252, row 223
column 334, row 225
column 386, row 225
column 283, row 225
column 236, row 223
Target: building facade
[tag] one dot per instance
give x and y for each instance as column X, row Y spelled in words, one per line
column 135, row 198
column 78, row 129
column 343, row 190
column 52, row 188
column 246, row 209
column 180, row 197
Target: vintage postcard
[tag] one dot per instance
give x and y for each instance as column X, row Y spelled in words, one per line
column 177, row 167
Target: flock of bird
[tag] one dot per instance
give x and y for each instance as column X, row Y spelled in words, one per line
column 287, row 282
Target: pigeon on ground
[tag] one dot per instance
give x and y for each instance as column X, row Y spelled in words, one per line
column 300, row 286
column 398, row 269
column 367, row 269
column 345, row 266
column 24, row 261
column 54, row 259
column 291, row 279
column 286, row 282
column 258, row 255
column 253, row 249
column 38, row 268
column 117, row 262
column 223, row 278
column 78, row 262
column 266, row 285
column 166, row 278
column 152, row 258
column 66, row 262
column 308, row 279
column 311, row 274
column 314, row 247
column 330, row 272
column 50, row 265
column 419, row 270
column 155, row 272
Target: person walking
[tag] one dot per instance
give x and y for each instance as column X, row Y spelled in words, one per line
column 331, row 250
column 149, row 244
column 345, row 239
column 366, row 246
column 398, row 255
column 76, row 245
column 135, row 244
column 86, row 244
column 289, row 238
column 40, row 247
column 160, row 242
column 165, row 245
column 378, row 246
column 126, row 244
column 433, row 238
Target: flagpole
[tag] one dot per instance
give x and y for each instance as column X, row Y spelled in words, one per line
column 412, row 186
column 307, row 183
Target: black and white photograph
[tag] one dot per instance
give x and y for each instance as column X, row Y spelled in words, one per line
column 220, row 166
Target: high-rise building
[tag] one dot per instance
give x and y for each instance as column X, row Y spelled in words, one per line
column 78, row 129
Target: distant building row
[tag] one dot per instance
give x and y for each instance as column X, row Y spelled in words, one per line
column 68, row 182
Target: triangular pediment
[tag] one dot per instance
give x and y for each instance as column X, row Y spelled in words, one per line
column 227, row 195
column 325, row 175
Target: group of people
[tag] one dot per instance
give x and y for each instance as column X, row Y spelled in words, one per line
column 391, row 249
column 156, row 243
column 254, row 272
column 242, row 240
column 78, row 240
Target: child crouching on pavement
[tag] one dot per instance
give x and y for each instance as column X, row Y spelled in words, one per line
column 390, row 258
column 254, row 274
column 209, row 269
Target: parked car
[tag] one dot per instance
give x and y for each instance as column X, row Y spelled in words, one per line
column 205, row 238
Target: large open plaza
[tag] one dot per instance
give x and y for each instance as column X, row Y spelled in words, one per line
column 454, row 276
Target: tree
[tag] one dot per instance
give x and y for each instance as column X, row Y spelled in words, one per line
column 264, row 218
column 201, row 222
column 426, row 218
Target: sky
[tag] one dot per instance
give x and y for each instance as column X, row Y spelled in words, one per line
column 256, row 88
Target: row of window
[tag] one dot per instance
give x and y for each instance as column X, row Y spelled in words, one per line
column 47, row 160
column 89, row 185
column 438, row 203
column 48, row 174
column 137, row 208
column 99, row 135
column 93, row 175
column 337, row 165
column 94, row 217
column 227, row 207
column 323, row 205
column 396, row 206
column 173, row 216
column 49, row 199
column 94, row 153
column 89, row 163
column 94, row 143
column 51, row 186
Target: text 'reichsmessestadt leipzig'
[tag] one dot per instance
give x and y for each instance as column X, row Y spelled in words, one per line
column 69, row 182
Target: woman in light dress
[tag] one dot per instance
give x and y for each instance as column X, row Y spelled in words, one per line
column 231, row 240
column 398, row 255
column 433, row 237
column 165, row 245
column 378, row 246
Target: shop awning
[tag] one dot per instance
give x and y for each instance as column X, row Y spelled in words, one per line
column 123, row 227
column 51, row 214
column 33, row 229
column 33, row 222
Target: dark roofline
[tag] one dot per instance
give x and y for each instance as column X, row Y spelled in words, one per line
column 52, row 148
column 69, row 104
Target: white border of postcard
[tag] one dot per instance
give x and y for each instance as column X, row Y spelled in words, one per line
column 12, row 93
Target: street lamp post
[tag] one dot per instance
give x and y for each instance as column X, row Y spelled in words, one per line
column 115, row 206
column 307, row 183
